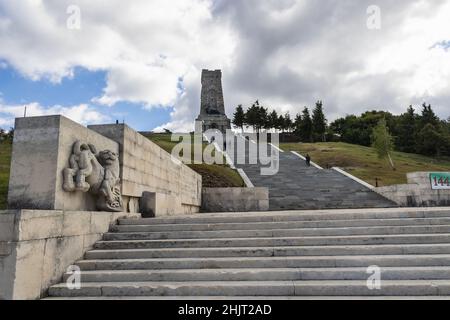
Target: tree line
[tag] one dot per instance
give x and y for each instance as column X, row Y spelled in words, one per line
column 412, row 132
column 6, row 136
column 420, row 132
column 309, row 127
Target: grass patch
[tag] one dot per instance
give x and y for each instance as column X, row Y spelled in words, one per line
column 218, row 176
column 363, row 162
column 213, row 176
column 5, row 161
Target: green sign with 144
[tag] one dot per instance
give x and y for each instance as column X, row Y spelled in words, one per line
column 440, row 180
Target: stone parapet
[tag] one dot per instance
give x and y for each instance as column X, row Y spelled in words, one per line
column 42, row 147
column 235, row 199
column 37, row 246
column 145, row 167
column 417, row 193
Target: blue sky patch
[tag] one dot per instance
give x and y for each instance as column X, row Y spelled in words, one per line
column 84, row 86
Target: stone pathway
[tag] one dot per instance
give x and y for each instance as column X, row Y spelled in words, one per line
column 297, row 186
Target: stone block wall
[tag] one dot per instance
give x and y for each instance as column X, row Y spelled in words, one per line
column 147, row 167
column 235, row 199
column 43, row 145
column 417, row 193
column 37, row 246
column 41, row 150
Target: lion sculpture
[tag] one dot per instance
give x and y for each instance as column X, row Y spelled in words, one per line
column 95, row 173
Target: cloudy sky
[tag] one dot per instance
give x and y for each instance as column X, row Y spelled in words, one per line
column 140, row 61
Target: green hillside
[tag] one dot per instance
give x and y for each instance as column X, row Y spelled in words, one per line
column 212, row 175
column 5, row 159
column 363, row 162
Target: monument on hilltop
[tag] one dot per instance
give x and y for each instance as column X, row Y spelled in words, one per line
column 212, row 107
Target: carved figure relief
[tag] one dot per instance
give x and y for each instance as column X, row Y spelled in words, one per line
column 96, row 173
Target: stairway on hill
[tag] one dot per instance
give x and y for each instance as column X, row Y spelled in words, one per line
column 309, row 254
column 297, row 186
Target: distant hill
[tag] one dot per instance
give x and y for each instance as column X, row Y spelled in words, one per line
column 363, row 162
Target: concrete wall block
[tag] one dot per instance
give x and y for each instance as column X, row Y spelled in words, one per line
column 28, row 269
column 234, row 199
column 90, row 239
column 148, row 167
column 39, row 225
column 58, row 255
column 7, row 226
column 76, row 223
column 100, row 222
column 263, row 205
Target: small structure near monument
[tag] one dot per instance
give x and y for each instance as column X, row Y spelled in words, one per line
column 212, row 107
column 424, row 189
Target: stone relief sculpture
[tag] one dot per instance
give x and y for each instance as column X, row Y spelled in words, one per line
column 95, row 173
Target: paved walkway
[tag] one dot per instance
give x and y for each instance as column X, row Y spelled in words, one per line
column 297, row 186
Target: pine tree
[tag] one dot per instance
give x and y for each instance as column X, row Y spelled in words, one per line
column 273, row 120
column 280, row 123
column 431, row 142
column 428, row 116
column 305, row 127
column 239, row 117
column 287, row 123
column 252, row 117
column 382, row 141
column 407, row 131
column 319, row 123
column 262, row 118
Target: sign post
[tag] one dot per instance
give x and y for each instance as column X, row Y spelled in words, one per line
column 440, row 180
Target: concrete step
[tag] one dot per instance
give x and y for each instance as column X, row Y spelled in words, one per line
column 249, row 298
column 272, row 274
column 257, row 288
column 268, row 262
column 278, row 233
column 274, row 242
column 281, row 225
column 312, row 215
column 270, row 251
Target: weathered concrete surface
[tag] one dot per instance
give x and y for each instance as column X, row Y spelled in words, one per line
column 145, row 167
column 235, row 199
column 296, row 253
column 41, row 150
column 36, row 246
column 417, row 193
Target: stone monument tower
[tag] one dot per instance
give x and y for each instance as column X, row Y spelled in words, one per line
column 212, row 108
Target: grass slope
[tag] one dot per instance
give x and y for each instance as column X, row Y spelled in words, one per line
column 363, row 162
column 5, row 160
column 214, row 176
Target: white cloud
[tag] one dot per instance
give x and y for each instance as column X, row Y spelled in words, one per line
column 82, row 113
column 126, row 40
column 287, row 53
column 131, row 81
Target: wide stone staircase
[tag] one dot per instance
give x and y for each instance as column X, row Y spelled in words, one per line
column 290, row 254
column 297, row 186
